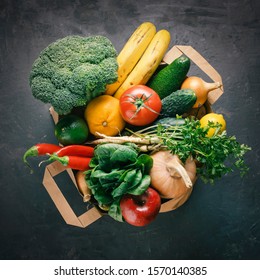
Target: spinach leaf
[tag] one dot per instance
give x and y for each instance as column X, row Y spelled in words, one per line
column 137, row 179
column 93, row 162
column 103, row 176
column 142, row 187
column 103, row 155
column 124, row 155
column 115, row 211
column 103, row 197
column 92, row 183
column 108, row 186
column 145, row 163
column 113, row 155
column 125, row 185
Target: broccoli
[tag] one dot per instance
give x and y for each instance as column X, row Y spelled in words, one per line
column 72, row 71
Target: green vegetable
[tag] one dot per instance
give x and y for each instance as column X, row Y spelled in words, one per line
column 72, row 71
column 117, row 170
column 71, row 129
column 178, row 102
column 169, row 121
column 171, row 77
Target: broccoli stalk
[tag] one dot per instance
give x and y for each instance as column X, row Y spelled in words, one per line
column 72, row 71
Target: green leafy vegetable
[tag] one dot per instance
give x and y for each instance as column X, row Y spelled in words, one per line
column 113, row 155
column 117, row 170
column 124, row 186
column 115, row 211
column 144, row 162
column 142, row 187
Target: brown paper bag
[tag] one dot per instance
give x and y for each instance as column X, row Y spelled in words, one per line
column 94, row 213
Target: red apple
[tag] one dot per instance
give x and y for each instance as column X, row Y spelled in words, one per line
column 140, row 210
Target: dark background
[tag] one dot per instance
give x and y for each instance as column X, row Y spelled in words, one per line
column 218, row 222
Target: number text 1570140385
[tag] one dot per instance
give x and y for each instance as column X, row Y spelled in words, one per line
column 167, row 270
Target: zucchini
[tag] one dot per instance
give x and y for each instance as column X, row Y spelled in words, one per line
column 171, row 77
column 178, row 103
column 169, row 121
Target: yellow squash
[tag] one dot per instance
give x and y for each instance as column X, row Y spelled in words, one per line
column 148, row 63
column 131, row 53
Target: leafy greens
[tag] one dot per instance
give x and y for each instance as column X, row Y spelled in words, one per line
column 117, row 170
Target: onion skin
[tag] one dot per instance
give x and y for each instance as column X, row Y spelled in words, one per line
column 82, row 186
column 168, row 183
column 191, row 168
column 200, row 87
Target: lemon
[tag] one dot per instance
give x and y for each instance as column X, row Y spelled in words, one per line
column 103, row 116
column 215, row 118
column 71, row 129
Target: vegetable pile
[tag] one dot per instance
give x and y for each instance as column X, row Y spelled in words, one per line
column 136, row 133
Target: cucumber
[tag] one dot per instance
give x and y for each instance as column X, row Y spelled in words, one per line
column 169, row 121
column 178, row 102
column 171, row 77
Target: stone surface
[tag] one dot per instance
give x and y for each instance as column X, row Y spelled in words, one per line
column 218, row 222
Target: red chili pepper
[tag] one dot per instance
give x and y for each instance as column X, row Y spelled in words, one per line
column 40, row 150
column 73, row 162
column 76, row 150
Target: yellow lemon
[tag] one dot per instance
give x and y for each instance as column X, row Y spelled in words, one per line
column 103, row 116
column 215, row 118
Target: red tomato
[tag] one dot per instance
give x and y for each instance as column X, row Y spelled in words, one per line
column 140, row 105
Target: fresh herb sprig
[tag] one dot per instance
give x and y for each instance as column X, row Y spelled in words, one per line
column 217, row 155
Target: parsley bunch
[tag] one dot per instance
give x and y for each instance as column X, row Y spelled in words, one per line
column 216, row 155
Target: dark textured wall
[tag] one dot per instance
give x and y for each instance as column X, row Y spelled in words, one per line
column 218, row 222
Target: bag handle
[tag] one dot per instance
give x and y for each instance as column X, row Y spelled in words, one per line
column 60, row 201
column 201, row 62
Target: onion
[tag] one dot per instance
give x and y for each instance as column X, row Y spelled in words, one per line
column 200, row 87
column 170, row 177
column 82, row 186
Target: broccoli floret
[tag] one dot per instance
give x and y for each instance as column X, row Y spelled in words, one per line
column 72, row 71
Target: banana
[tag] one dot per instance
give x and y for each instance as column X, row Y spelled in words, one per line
column 148, row 63
column 131, row 53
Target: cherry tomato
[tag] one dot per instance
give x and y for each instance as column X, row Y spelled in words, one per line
column 140, row 105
